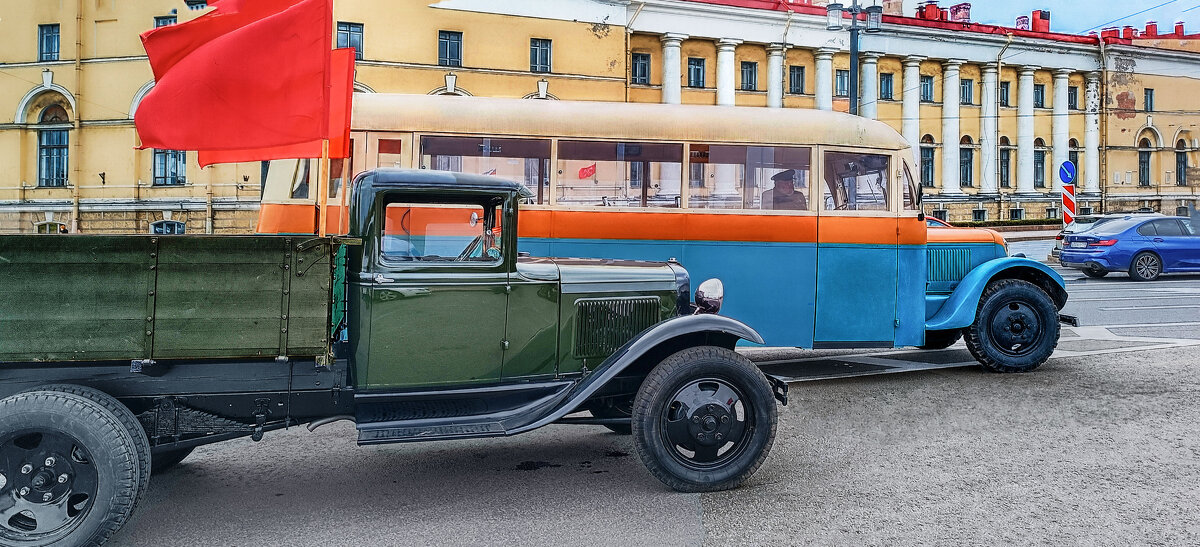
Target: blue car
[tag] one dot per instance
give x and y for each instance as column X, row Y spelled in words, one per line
column 1144, row 247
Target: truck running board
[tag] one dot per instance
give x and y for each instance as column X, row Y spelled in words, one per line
column 428, row 433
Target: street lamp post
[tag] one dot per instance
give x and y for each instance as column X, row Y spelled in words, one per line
column 874, row 23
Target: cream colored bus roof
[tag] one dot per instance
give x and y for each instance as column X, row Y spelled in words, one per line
column 604, row 120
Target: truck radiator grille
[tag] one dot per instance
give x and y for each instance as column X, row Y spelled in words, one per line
column 948, row 264
column 604, row 324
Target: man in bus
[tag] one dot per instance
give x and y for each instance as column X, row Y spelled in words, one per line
column 784, row 195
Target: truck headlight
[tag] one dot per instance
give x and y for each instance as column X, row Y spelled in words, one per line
column 709, row 296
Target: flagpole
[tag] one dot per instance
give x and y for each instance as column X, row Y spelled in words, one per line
column 344, row 212
column 323, row 188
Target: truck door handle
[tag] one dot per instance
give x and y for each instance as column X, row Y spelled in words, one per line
column 380, row 278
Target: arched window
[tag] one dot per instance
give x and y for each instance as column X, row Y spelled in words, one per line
column 1181, row 163
column 927, row 161
column 1144, row 148
column 53, row 146
column 966, row 162
column 1039, row 163
column 1005, row 163
column 1073, row 153
column 167, row 227
column 51, row 227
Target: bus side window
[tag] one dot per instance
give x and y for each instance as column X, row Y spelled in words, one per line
column 855, row 181
column 749, row 177
column 619, row 174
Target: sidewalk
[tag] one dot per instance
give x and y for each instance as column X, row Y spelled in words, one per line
column 1028, row 235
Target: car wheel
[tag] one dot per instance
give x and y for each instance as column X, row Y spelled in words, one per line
column 941, row 339
column 1096, row 273
column 1146, row 266
column 168, row 459
column 70, row 471
column 622, row 409
column 1016, row 327
column 704, row 419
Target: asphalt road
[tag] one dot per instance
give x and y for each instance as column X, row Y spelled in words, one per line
column 1098, row 446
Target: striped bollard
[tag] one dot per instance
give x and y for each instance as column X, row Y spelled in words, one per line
column 1068, row 203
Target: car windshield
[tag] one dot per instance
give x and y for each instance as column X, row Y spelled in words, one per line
column 1114, row 226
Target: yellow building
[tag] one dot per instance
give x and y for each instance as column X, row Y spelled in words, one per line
column 990, row 135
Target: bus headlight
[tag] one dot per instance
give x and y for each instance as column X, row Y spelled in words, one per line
column 709, row 296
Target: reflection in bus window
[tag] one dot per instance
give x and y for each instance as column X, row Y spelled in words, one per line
column 855, row 181
column 749, row 177
column 619, row 174
column 424, row 232
column 389, row 153
column 525, row 161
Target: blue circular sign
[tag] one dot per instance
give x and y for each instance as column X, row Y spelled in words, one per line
column 1066, row 172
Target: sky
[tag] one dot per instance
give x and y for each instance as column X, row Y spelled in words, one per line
column 1079, row 16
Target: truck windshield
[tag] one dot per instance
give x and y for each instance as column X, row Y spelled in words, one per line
column 441, row 232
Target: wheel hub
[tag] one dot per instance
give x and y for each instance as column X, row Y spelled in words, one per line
column 1015, row 328
column 705, row 423
column 49, row 483
column 710, row 423
column 45, row 483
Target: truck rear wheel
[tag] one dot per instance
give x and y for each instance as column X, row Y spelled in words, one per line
column 704, row 419
column 68, row 471
column 1016, row 327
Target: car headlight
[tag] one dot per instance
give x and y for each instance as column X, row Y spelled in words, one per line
column 709, row 296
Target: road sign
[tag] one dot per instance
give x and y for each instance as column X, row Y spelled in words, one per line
column 1067, row 172
column 1068, row 202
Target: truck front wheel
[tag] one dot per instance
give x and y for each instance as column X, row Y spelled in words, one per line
column 69, row 470
column 704, row 419
column 1016, row 327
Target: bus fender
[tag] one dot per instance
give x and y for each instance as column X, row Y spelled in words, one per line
column 959, row 310
column 720, row 330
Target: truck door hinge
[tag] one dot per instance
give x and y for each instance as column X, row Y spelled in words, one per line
column 897, row 322
column 504, row 344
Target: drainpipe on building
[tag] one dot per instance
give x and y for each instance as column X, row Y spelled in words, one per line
column 1103, row 127
column 1000, row 78
column 76, row 171
column 628, row 33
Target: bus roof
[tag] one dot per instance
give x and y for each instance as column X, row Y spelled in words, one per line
column 629, row 121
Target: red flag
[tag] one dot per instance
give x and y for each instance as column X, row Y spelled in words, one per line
column 589, row 171
column 341, row 93
column 252, row 78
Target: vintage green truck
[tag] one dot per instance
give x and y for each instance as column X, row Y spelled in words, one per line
column 120, row 354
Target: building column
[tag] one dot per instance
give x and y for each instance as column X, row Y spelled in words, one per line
column 824, row 90
column 1091, row 135
column 869, row 84
column 775, row 75
column 910, row 94
column 672, row 75
column 1061, row 127
column 725, row 71
column 950, row 126
column 1025, row 131
column 989, row 136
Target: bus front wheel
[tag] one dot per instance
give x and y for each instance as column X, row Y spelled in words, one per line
column 1016, row 327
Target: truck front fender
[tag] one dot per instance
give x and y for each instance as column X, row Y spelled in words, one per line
column 726, row 331
column 958, row 311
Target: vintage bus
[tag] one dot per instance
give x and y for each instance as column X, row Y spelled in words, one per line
column 810, row 218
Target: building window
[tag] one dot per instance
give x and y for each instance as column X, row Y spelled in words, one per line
column 979, row 215
column 1052, row 212
column 1039, row 95
column 1085, row 210
column 927, row 89
column 52, row 157
column 842, row 83
column 927, row 166
column 539, row 55
column 1004, row 93
column 170, row 167
column 1016, row 213
column 1182, row 211
column 48, row 42
column 966, row 166
column 195, row 5
column 749, row 76
column 940, row 214
column 1073, row 157
column 350, row 35
column 695, row 72
column 1149, row 101
column 640, row 68
column 167, row 227
column 967, row 95
column 1181, row 163
column 1073, row 97
column 51, row 227
column 1039, row 168
column 165, row 21
column 1005, row 162
column 1144, row 163
column 449, row 48
column 887, row 87
column 796, row 80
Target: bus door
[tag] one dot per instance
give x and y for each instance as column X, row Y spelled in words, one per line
column 857, row 264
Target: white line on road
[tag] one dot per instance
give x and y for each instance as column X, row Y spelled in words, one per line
column 1148, row 308
column 1171, row 296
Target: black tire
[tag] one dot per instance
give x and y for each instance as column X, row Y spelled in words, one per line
column 127, row 419
column 732, row 448
column 1016, row 327
column 941, row 339
column 624, row 409
column 49, row 435
column 169, row 458
column 1145, row 266
column 1095, row 273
